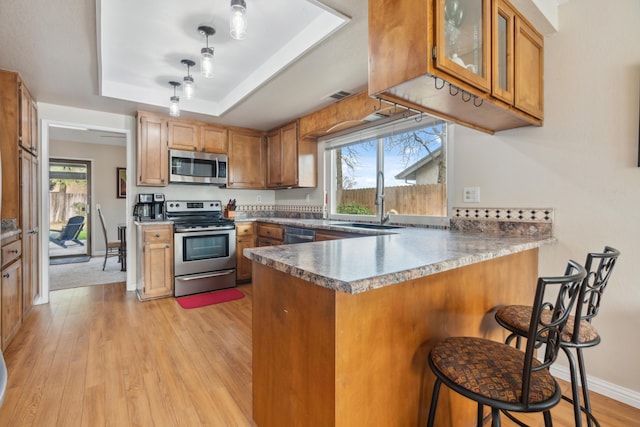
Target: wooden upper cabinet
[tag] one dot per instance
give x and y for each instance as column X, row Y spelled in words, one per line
column 196, row 136
column 282, row 157
column 213, row 139
column 467, row 61
column 503, row 31
column 274, row 159
column 183, row 135
column 247, row 157
column 529, row 69
column 19, row 118
column 28, row 137
column 289, row 155
column 463, row 40
column 153, row 153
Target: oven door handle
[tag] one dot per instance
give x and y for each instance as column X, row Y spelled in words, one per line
column 208, row 230
column 205, row 275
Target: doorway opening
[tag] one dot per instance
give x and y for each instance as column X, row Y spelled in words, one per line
column 69, row 221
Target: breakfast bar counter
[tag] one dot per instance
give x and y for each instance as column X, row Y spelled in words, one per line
column 342, row 328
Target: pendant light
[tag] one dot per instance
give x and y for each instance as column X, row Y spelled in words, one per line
column 238, row 21
column 174, row 107
column 188, row 85
column 206, row 53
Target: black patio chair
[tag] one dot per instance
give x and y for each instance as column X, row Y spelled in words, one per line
column 69, row 233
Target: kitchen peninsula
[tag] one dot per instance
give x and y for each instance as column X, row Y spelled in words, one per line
column 342, row 328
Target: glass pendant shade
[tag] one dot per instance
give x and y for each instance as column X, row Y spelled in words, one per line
column 174, row 107
column 206, row 62
column 188, row 87
column 188, row 84
column 238, row 21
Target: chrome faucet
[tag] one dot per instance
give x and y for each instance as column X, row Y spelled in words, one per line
column 384, row 217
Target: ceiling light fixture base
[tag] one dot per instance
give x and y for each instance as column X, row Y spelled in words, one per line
column 206, row 30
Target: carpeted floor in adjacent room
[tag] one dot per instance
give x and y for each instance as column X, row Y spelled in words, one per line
column 85, row 274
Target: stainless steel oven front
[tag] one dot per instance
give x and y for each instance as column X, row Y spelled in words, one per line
column 205, row 259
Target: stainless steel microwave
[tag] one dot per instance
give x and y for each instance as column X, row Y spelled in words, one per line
column 197, row 168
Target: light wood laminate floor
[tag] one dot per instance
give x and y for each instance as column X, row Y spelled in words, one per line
column 96, row 356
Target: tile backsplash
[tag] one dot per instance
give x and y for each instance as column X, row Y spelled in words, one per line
column 514, row 221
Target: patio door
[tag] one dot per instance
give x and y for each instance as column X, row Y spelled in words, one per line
column 69, row 197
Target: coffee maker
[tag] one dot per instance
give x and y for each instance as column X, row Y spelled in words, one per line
column 157, row 207
column 150, row 207
column 142, row 209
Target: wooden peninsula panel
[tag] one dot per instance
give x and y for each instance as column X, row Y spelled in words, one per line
column 327, row 358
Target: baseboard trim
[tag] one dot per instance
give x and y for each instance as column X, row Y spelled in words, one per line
column 615, row 392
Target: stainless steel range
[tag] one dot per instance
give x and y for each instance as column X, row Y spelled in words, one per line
column 205, row 246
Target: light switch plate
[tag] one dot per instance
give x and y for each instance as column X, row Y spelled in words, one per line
column 471, row 195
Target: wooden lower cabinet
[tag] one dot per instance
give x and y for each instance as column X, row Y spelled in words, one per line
column 245, row 238
column 11, row 290
column 153, row 151
column 270, row 234
column 155, row 261
column 366, row 354
column 323, row 235
column 247, row 159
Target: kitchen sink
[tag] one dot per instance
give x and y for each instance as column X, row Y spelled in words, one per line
column 369, row 226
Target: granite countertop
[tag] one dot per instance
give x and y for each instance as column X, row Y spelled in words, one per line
column 7, row 234
column 9, row 228
column 384, row 257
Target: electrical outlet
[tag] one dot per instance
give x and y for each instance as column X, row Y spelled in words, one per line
column 258, row 198
column 471, row 195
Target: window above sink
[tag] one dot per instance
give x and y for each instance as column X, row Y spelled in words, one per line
column 397, row 168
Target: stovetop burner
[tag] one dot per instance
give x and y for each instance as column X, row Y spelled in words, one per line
column 197, row 214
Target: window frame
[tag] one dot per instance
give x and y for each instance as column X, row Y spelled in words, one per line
column 368, row 131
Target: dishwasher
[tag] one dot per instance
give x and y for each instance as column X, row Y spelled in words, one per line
column 298, row 235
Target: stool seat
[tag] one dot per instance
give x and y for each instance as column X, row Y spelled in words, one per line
column 517, row 317
column 492, row 371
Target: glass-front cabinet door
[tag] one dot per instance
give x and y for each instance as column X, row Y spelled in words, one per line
column 463, row 40
column 503, row 54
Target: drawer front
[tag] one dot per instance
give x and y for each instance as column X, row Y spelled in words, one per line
column 265, row 241
column 243, row 229
column 151, row 235
column 11, row 252
column 271, row 231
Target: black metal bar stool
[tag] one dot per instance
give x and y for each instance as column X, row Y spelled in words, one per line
column 579, row 332
column 500, row 376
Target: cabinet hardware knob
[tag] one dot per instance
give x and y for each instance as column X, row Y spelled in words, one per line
column 157, row 235
column 167, row 246
column 6, row 275
column 13, row 251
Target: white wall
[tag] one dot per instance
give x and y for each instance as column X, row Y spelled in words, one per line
column 582, row 163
